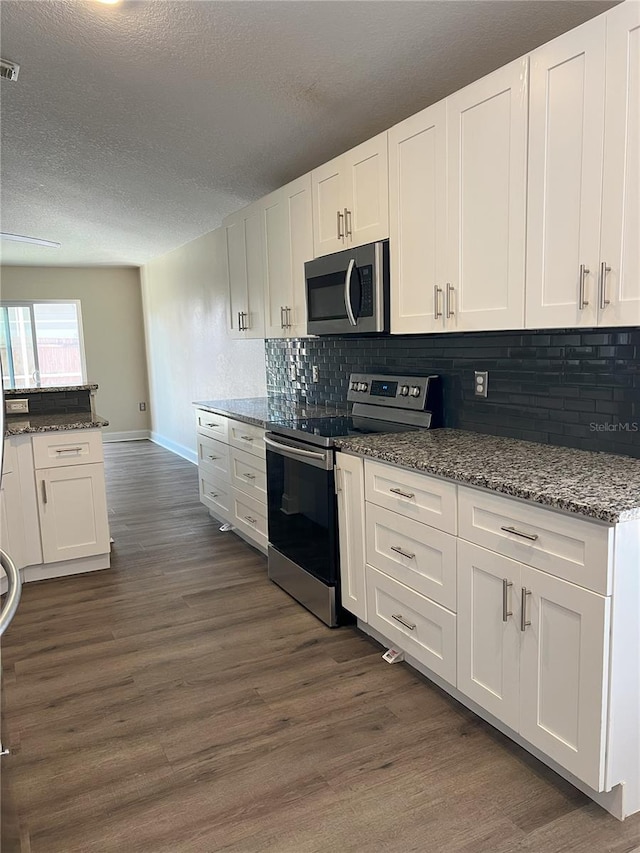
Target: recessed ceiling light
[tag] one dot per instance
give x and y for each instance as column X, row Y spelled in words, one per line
column 18, row 238
column 109, row 2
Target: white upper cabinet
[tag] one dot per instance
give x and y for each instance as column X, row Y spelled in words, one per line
column 619, row 271
column 486, row 201
column 565, row 173
column 417, row 220
column 245, row 260
column 288, row 236
column 351, row 198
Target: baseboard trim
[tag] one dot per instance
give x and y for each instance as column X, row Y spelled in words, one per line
column 127, row 435
column 46, row 571
column 174, row 447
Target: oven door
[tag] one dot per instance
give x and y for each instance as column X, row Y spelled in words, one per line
column 302, row 510
column 346, row 291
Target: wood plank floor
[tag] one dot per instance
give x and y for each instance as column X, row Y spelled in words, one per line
column 181, row 703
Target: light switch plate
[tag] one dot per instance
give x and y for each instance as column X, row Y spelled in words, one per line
column 481, row 382
column 13, row 406
column 315, row 373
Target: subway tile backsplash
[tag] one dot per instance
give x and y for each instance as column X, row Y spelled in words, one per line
column 573, row 387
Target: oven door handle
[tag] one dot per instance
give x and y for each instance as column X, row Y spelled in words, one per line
column 296, row 451
column 347, row 292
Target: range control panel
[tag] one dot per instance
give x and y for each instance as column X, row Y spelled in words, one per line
column 401, row 392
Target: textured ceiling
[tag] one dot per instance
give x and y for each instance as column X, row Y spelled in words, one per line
column 134, row 128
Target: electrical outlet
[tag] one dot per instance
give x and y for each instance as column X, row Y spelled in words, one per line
column 293, row 374
column 17, row 407
column 481, row 382
column 142, row 407
column 315, row 373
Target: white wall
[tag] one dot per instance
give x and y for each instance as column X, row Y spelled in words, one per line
column 189, row 354
column 111, row 306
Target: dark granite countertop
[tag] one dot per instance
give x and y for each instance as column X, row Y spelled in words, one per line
column 20, row 425
column 260, row 411
column 603, row 486
column 19, row 392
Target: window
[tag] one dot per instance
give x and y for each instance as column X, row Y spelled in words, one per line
column 41, row 344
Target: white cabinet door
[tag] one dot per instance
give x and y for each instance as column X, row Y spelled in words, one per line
column 72, row 504
column 566, row 122
column 619, row 296
column 563, row 673
column 365, row 176
column 237, row 269
column 254, row 247
column 277, row 293
column 300, row 233
column 417, row 220
column 350, row 492
column 12, row 535
column 487, row 148
column 328, row 212
column 488, row 631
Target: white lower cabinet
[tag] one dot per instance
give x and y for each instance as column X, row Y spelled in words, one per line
column 232, row 474
column 350, row 494
column 72, row 504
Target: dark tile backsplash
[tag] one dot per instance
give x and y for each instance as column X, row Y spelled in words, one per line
column 58, row 402
column 574, row 387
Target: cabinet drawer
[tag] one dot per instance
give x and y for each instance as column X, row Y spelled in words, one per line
column 213, row 457
column 427, row 499
column 249, row 474
column 422, row 628
column 250, row 516
column 247, row 437
column 568, row 547
column 215, row 495
column 418, row 556
column 57, row 449
column 215, row 426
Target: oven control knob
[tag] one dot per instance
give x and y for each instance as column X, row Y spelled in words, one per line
column 364, row 386
column 415, row 391
column 404, row 391
column 355, row 386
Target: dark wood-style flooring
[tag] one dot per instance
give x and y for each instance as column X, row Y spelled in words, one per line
column 181, row 703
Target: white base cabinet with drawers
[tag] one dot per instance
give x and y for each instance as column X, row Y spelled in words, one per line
column 232, row 474
column 53, row 504
column 527, row 615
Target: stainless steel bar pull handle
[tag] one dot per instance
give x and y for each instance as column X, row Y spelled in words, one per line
column 347, row 223
column 282, row 320
column 213, row 494
column 604, row 269
column 246, row 437
column 250, row 520
column 505, row 599
column 239, row 321
column 340, row 231
column 530, row 536
column 45, row 499
column 524, row 622
column 403, row 553
column 450, row 291
column 288, row 314
column 399, row 618
column 70, row 450
column 402, row 494
column 437, row 311
column 213, row 424
column 249, row 476
column 211, row 456
column 582, row 299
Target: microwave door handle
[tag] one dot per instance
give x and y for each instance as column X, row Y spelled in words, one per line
column 347, row 292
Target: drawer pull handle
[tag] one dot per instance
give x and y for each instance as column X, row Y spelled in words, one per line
column 530, row 536
column 524, row 622
column 213, row 494
column 45, row 499
column 246, row 437
column 398, row 617
column 249, row 476
column 70, row 450
column 250, row 520
column 403, row 553
column 505, row 599
column 213, row 457
column 402, row 494
column 215, row 426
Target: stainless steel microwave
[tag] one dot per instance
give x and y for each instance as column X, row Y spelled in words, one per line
column 348, row 292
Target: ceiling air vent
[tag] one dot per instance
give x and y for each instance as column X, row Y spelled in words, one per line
column 9, row 70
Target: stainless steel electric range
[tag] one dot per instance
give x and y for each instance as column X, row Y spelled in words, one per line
column 303, row 556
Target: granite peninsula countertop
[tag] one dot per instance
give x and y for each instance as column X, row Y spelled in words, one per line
column 260, row 411
column 47, row 389
column 604, row 486
column 20, row 425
